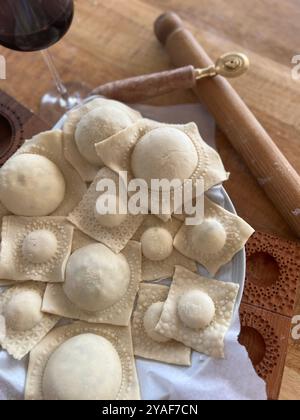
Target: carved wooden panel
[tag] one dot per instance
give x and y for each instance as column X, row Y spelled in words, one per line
column 273, row 273
column 17, row 124
column 266, row 336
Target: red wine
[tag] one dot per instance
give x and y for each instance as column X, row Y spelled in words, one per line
column 33, row 25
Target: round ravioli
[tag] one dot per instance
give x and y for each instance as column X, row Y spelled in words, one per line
column 39, row 246
column 211, row 234
column 23, row 311
column 157, row 244
column 96, row 126
column 196, row 309
column 31, row 185
column 164, row 153
column 96, row 278
column 85, row 367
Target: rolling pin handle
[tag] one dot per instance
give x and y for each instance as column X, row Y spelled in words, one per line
column 165, row 25
column 147, row 86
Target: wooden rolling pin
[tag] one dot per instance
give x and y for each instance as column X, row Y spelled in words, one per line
column 272, row 170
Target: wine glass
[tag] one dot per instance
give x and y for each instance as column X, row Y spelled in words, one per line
column 35, row 25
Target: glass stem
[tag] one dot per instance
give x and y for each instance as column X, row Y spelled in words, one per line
column 56, row 78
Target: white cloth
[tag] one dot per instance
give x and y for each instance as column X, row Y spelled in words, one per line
column 233, row 378
column 207, row 379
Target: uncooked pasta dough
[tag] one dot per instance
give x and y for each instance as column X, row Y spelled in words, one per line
column 22, row 323
column 100, row 283
column 164, row 268
column 151, row 318
column 98, row 125
column 152, row 151
column 81, row 361
column 39, row 246
column 198, row 312
column 84, row 217
column 109, row 220
column 157, row 244
column 35, row 248
column 164, row 153
column 23, row 311
column 96, row 277
column 147, row 342
column 31, row 185
column 211, row 234
column 196, row 309
column 85, row 367
column 93, row 122
column 216, row 240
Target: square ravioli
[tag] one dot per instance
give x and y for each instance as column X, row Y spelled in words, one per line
column 147, row 343
column 150, row 150
column 89, row 124
column 198, row 312
column 38, row 181
column 81, row 361
column 114, row 231
column 216, row 240
column 35, row 248
column 159, row 256
column 80, row 240
column 100, row 286
column 24, row 325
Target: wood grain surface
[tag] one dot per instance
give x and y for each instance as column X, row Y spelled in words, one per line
column 113, row 40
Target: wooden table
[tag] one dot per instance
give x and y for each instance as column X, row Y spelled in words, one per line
column 112, row 40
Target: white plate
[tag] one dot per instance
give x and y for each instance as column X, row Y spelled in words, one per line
column 13, row 373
